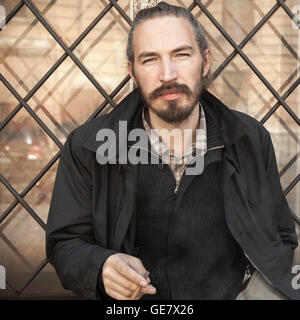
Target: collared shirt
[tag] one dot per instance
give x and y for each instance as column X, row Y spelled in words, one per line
column 178, row 163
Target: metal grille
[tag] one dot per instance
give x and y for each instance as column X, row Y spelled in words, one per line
column 280, row 95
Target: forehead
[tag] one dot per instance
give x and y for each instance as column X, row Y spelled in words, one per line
column 163, row 34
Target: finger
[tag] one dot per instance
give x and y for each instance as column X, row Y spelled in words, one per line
column 112, row 285
column 127, row 271
column 114, row 276
column 140, row 292
column 144, row 291
column 117, row 295
column 148, row 290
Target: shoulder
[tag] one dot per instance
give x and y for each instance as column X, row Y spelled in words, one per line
column 256, row 129
column 74, row 147
column 90, row 128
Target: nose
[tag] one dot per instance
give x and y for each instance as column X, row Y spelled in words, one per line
column 168, row 71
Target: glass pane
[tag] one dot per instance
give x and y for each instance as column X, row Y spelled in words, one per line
column 219, row 46
column 239, row 88
column 274, row 50
column 9, row 5
column 66, row 100
column 43, row 5
column 23, row 39
column 285, row 135
column 46, row 285
column 7, row 102
column 103, row 51
column 25, row 150
column 294, row 102
column 6, row 198
column 238, row 18
column 40, row 195
column 21, row 252
column 117, row 98
column 294, row 6
column 70, row 18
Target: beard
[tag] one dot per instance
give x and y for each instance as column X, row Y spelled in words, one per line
column 176, row 111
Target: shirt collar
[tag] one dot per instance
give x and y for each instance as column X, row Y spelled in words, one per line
column 162, row 149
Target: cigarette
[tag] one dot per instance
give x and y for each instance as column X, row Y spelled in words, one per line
column 138, row 289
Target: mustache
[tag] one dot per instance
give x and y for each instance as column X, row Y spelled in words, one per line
column 178, row 87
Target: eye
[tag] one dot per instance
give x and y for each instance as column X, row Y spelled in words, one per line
column 149, row 60
column 182, row 54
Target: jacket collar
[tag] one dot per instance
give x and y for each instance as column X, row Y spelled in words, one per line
column 232, row 127
column 126, row 110
column 129, row 110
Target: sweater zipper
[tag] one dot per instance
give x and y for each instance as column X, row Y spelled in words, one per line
column 214, row 148
column 177, row 186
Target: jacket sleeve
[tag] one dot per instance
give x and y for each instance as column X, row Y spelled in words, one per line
column 70, row 243
column 286, row 224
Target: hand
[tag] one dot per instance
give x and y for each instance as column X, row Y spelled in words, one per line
column 121, row 274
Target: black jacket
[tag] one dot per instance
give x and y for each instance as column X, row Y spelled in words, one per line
column 92, row 204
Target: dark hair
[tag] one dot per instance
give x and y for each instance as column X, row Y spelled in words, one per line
column 163, row 9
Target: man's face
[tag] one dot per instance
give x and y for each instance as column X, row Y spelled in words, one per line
column 168, row 67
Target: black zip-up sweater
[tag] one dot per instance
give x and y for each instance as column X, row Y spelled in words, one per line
column 182, row 237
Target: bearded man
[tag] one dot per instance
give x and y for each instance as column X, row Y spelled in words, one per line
column 123, row 230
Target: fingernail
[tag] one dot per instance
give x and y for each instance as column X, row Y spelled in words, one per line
column 143, row 283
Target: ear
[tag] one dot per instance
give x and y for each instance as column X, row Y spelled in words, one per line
column 207, row 61
column 131, row 72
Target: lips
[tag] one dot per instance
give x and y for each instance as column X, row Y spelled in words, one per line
column 171, row 94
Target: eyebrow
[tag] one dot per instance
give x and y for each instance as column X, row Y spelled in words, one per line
column 183, row 48
column 146, row 54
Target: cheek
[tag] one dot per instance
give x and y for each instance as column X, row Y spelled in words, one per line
column 196, row 77
column 196, row 71
column 190, row 73
column 147, row 81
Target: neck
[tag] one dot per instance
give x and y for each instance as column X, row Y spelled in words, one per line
column 182, row 137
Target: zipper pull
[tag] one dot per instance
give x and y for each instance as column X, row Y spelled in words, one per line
column 247, row 274
column 176, row 189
